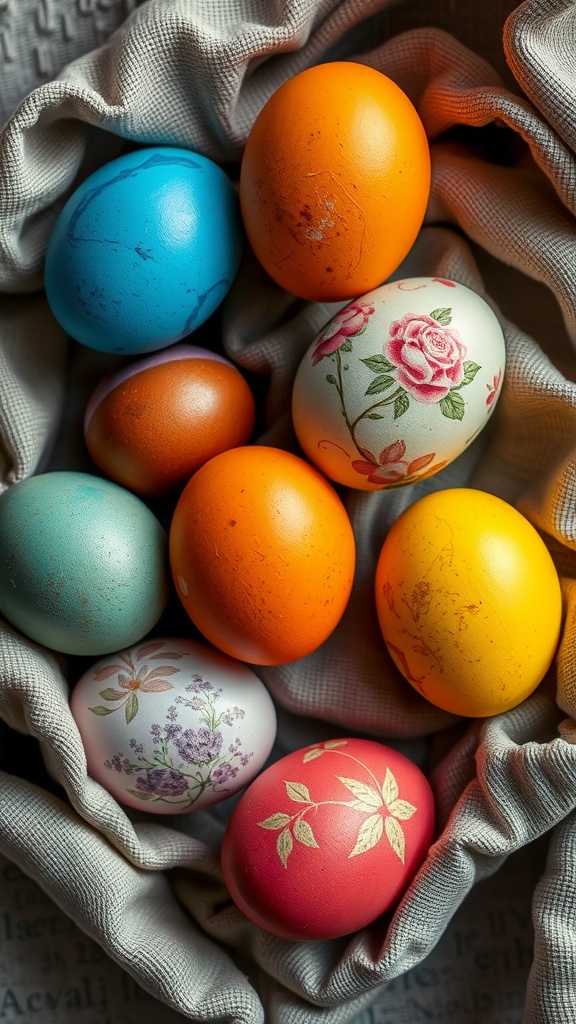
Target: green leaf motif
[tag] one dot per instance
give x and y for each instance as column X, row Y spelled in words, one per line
column 275, row 821
column 110, row 694
column 284, row 845
column 100, row 710
column 470, row 370
column 367, row 794
column 378, row 364
column 389, row 788
column 330, row 378
column 346, row 346
column 401, row 809
column 298, row 792
column 379, row 384
column 141, row 795
column 131, row 709
column 374, row 416
column 370, row 833
column 401, row 405
column 304, row 834
column 442, row 315
column 452, row 406
column 395, row 837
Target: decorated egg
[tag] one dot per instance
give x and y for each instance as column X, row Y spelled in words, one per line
column 172, row 725
column 334, row 181
column 151, row 424
column 262, row 554
column 469, row 601
column 144, row 250
column 83, row 563
column 399, row 383
column 328, row 838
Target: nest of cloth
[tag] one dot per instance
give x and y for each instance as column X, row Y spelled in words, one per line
column 495, row 87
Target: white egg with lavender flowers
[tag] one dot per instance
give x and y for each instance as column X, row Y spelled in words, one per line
column 172, row 725
column 399, row 383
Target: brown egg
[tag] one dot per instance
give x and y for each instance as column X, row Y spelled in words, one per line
column 152, row 424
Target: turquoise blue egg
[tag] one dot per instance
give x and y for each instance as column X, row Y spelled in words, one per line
column 144, row 250
column 83, row 563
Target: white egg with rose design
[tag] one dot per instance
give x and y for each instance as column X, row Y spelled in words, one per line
column 399, row 383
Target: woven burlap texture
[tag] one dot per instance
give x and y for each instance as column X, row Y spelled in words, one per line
column 195, row 74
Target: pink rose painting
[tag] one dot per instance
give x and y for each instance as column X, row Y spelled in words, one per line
column 493, row 388
column 422, row 360
column 348, row 323
column 429, row 357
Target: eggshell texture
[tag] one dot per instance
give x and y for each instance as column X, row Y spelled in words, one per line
column 150, row 425
column 172, row 725
column 334, row 181
column 327, row 839
column 399, row 383
column 83, row 563
column 262, row 554
column 144, row 250
column 468, row 601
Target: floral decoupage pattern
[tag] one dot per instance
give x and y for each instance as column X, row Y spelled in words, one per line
column 174, row 724
column 399, row 383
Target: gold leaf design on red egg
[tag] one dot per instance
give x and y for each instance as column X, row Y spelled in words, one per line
column 298, row 791
column 372, row 800
column 369, row 835
column 284, row 846
column 395, row 837
column 304, row 833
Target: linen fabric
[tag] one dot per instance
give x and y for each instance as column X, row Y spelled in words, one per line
column 496, row 89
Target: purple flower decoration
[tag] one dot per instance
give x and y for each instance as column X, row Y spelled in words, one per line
column 198, row 746
column 223, row 774
column 162, row 782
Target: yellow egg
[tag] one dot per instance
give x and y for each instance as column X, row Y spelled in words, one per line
column 469, row 602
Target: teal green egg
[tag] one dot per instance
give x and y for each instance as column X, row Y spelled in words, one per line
column 83, row 563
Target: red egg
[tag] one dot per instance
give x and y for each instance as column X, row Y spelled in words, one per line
column 328, row 838
column 152, row 424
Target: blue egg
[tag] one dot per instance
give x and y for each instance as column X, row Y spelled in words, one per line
column 83, row 563
column 144, row 250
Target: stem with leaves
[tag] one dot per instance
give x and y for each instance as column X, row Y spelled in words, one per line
column 374, row 800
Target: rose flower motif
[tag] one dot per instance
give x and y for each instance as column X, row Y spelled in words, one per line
column 429, row 357
column 346, row 324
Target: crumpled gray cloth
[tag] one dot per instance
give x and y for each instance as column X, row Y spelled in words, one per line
column 501, row 219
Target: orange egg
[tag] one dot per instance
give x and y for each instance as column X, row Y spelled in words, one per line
column 262, row 554
column 151, row 424
column 334, row 181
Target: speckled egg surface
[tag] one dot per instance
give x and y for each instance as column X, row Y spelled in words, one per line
column 399, row 383
column 83, row 563
column 144, row 250
column 328, row 838
column 469, row 601
column 172, row 725
column 150, row 425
